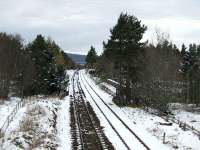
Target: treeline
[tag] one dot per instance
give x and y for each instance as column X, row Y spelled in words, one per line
column 35, row 68
column 149, row 73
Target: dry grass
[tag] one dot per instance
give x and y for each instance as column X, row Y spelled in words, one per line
column 30, row 127
column 30, row 122
column 37, row 142
column 36, row 110
column 3, row 100
column 32, row 132
column 27, row 125
column 1, row 134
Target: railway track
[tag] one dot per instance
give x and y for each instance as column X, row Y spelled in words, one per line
column 90, row 132
column 136, row 137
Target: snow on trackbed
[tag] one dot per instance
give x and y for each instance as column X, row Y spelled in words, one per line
column 176, row 138
column 149, row 140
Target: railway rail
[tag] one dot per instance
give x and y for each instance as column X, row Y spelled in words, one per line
column 113, row 112
column 90, row 132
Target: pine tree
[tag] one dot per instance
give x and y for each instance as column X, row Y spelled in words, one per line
column 183, row 50
column 43, row 61
column 125, row 49
column 184, row 60
column 91, row 57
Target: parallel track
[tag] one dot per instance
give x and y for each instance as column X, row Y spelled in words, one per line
column 112, row 111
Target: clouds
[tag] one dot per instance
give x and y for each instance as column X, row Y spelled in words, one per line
column 77, row 24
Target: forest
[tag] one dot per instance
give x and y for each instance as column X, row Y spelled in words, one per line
column 151, row 73
column 35, row 68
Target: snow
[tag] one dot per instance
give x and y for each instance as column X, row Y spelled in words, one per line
column 43, row 123
column 50, row 121
column 175, row 136
column 33, row 126
column 151, row 141
column 109, row 88
column 187, row 113
column 147, row 126
column 113, row 81
column 63, row 127
column 6, row 107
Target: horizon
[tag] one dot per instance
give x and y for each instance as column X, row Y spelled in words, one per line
column 76, row 25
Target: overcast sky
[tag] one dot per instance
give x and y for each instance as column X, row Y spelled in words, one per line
column 77, row 24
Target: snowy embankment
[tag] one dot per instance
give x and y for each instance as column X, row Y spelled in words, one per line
column 34, row 125
column 144, row 122
column 63, row 125
column 42, row 123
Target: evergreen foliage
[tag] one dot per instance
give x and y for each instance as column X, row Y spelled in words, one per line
column 91, row 57
column 191, row 70
column 44, row 64
column 50, row 62
column 125, row 49
column 37, row 68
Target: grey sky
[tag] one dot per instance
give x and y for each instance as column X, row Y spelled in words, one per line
column 77, row 24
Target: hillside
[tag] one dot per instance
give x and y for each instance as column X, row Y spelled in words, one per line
column 77, row 58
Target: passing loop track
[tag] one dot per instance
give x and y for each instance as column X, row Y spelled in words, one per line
column 112, row 111
column 90, row 132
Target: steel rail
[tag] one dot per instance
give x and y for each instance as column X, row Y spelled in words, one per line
column 133, row 133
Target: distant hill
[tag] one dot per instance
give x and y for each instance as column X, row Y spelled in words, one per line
column 77, row 58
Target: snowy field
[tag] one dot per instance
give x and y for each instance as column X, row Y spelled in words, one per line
column 176, row 138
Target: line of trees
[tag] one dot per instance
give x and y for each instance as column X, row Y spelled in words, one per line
column 35, row 68
column 190, row 66
column 153, row 74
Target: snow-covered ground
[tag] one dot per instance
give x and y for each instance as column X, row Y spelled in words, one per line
column 34, row 126
column 176, row 138
column 107, row 87
column 42, row 123
column 63, row 125
column 148, row 139
column 187, row 113
column 6, row 107
column 144, row 122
